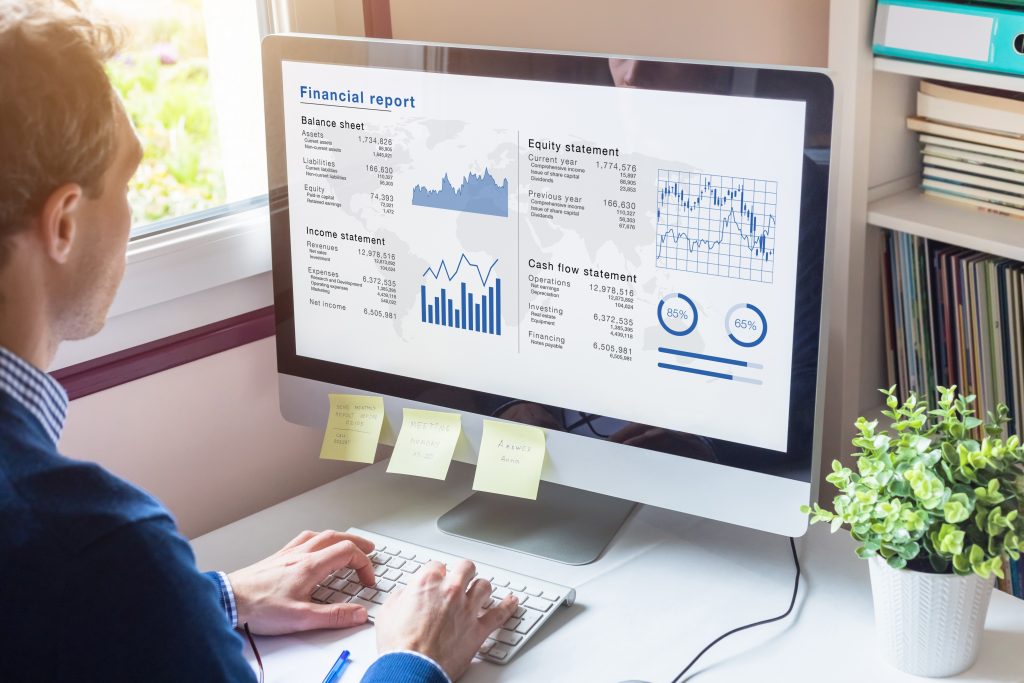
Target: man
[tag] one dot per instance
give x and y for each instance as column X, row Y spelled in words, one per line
column 95, row 582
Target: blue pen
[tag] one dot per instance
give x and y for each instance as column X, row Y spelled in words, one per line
column 339, row 667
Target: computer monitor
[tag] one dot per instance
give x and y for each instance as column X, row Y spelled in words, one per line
column 626, row 252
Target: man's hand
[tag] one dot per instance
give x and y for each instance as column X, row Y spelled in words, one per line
column 273, row 594
column 442, row 615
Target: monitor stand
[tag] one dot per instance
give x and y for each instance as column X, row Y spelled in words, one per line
column 564, row 524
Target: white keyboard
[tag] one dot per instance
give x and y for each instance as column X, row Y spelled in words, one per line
column 396, row 562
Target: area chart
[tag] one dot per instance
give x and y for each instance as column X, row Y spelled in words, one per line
column 476, row 194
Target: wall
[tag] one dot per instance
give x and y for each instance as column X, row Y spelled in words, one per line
column 777, row 32
column 206, row 438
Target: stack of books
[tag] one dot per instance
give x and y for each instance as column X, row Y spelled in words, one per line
column 956, row 317
column 972, row 142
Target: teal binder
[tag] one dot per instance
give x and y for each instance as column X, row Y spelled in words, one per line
column 971, row 36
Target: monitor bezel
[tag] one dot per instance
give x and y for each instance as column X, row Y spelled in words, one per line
column 432, row 57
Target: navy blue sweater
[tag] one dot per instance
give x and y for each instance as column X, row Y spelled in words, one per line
column 96, row 584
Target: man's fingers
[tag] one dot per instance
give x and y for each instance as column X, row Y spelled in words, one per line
column 499, row 614
column 298, row 540
column 479, row 593
column 462, row 572
column 340, row 615
column 343, row 554
column 330, row 537
column 432, row 571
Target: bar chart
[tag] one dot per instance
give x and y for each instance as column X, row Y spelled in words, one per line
column 446, row 302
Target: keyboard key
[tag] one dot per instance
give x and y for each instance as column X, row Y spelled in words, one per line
column 395, row 564
column 508, row 637
column 370, row 607
column 528, row 621
column 538, row 604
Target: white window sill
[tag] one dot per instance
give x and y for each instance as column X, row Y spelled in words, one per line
column 183, row 279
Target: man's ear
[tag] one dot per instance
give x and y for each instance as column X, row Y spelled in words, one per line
column 57, row 224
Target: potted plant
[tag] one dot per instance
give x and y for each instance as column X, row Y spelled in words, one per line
column 935, row 512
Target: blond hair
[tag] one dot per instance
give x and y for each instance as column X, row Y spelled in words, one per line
column 57, row 106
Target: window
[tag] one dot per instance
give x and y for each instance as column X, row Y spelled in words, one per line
column 190, row 79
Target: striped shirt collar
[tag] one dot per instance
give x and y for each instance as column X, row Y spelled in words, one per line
column 36, row 391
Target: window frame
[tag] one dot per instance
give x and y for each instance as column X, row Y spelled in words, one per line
column 205, row 267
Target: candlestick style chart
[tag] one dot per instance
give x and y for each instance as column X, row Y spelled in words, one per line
column 717, row 225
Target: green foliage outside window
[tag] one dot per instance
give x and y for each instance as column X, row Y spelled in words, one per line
column 163, row 79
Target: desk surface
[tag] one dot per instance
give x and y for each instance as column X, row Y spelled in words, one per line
column 668, row 584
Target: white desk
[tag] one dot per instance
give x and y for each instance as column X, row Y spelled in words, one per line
column 704, row 577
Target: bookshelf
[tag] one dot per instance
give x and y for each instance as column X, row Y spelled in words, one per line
column 876, row 174
column 875, row 184
column 936, row 72
column 914, row 212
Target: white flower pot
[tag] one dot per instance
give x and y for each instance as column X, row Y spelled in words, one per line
column 928, row 624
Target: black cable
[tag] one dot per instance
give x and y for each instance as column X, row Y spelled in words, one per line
column 796, row 588
column 252, row 644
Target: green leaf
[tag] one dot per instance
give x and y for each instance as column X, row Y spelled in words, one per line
column 950, row 540
column 957, row 508
column 897, row 562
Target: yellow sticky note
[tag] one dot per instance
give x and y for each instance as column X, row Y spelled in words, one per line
column 426, row 443
column 353, row 428
column 510, row 461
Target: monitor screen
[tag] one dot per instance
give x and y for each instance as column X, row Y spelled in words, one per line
column 624, row 249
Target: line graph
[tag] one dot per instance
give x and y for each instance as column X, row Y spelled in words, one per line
column 463, row 308
column 717, row 225
column 450, row 275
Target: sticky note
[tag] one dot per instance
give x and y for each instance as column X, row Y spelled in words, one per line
column 426, row 443
column 353, row 428
column 510, row 461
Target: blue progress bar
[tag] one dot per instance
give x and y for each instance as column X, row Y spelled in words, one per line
column 708, row 373
column 716, row 359
column 719, row 375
